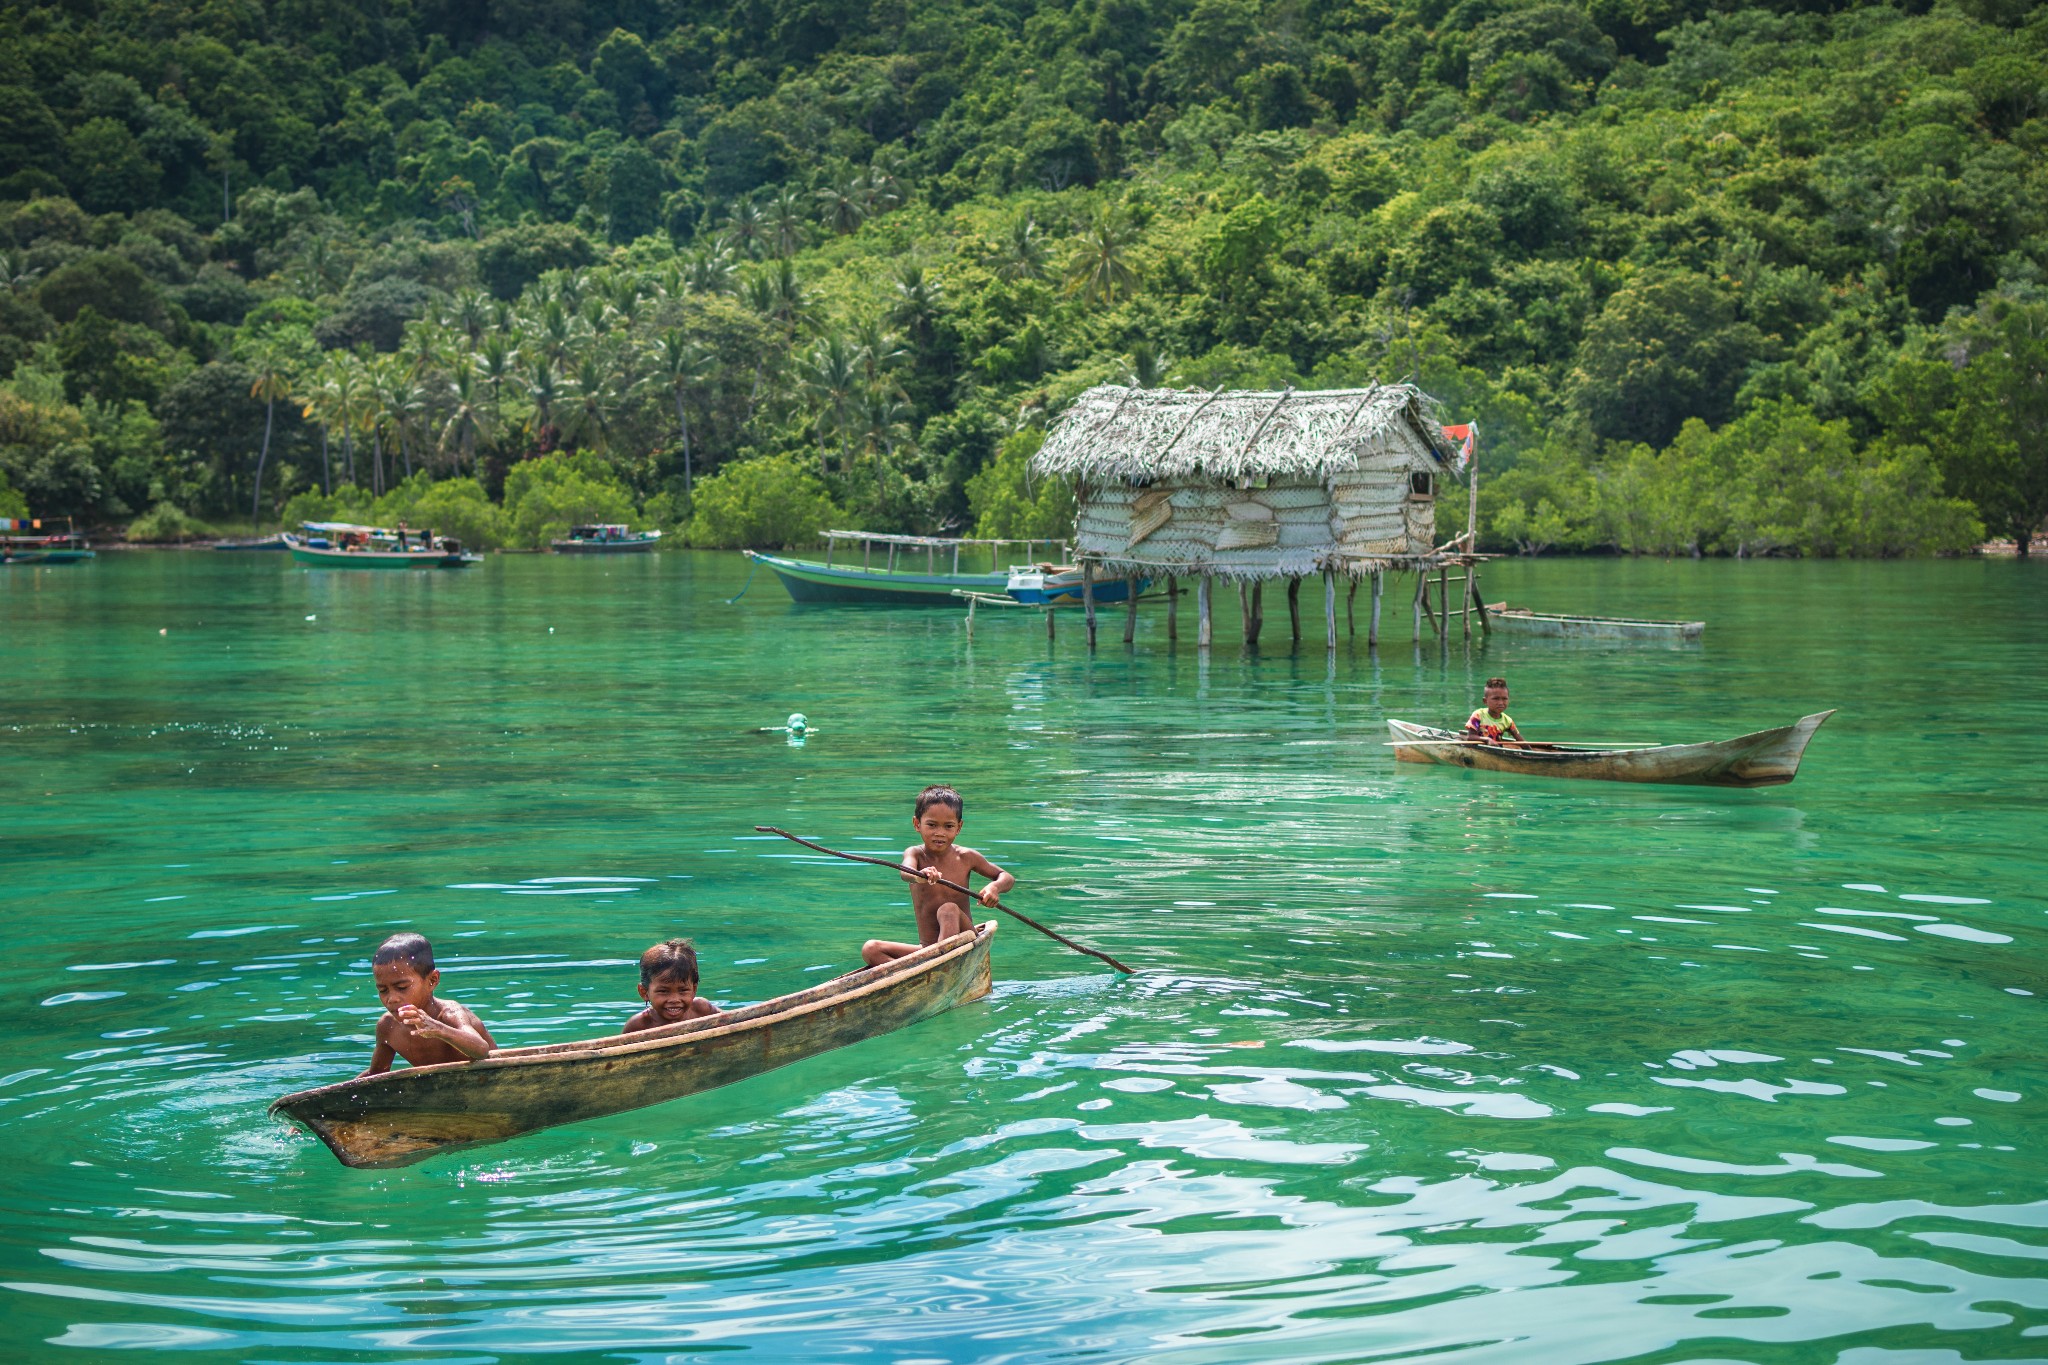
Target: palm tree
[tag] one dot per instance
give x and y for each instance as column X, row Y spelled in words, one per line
column 273, row 381
column 16, row 274
column 712, row 269
column 786, row 224
column 879, row 349
column 593, row 393
column 831, row 374
column 1100, row 269
column 398, row 399
column 497, row 362
column 570, row 287
column 680, row 362
column 915, row 305
column 555, row 331
column 1023, row 254
column 885, row 424
column 841, row 206
column 334, row 398
column 1151, row 368
column 744, row 225
column 791, row 301
column 468, row 418
column 543, row 386
column 471, row 314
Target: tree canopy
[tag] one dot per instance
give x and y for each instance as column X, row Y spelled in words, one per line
column 858, row 250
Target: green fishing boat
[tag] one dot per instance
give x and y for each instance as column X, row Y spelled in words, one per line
column 918, row 571
column 344, row 545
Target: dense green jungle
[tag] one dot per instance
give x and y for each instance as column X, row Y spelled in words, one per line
column 1711, row 278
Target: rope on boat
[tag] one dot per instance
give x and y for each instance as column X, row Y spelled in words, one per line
column 754, row 564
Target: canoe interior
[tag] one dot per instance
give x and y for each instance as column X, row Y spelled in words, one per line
column 1768, row 758
column 408, row 1115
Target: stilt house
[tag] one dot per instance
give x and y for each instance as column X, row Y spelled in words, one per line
column 1252, row 486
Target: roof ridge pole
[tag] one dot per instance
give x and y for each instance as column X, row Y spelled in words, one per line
column 1370, row 390
column 1188, row 425
column 1260, row 429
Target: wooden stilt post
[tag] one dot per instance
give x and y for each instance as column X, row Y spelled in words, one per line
column 1330, row 611
column 1294, row 609
column 867, row 556
column 1421, row 590
column 1465, row 604
column 830, row 543
column 931, row 560
column 892, row 556
column 1049, row 614
column 1172, row 608
column 1258, row 608
column 1372, row 629
column 971, row 602
column 1443, row 600
column 1204, row 631
column 1244, row 609
column 1350, row 614
column 1088, row 597
column 1131, row 613
column 1485, row 626
column 956, row 561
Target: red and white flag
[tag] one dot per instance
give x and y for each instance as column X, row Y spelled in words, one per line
column 1463, row 435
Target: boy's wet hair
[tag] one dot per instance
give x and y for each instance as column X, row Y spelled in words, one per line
column 671, row 957
column 939, row 796
column 410, row 948
column 1496, row 682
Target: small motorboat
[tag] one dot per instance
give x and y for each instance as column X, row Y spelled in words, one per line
column 344, row 545
column 1039, row 585
column 606, row 539
column 403, row 1116
column 1768, row 758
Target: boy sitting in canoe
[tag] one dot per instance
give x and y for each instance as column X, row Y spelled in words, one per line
column 417, row 1025
column 937, row 818
column 668, row 983
column 1491, row 723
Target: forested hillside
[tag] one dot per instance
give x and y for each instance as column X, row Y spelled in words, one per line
column 1711, row 278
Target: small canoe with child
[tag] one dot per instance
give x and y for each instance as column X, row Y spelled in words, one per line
column 403, row 1116
column 1768, row 758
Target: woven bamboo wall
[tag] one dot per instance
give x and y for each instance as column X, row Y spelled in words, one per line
column 1365, row 510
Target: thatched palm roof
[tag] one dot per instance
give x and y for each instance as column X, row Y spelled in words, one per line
column 1113, row 432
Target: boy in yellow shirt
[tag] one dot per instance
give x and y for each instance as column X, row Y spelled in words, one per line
column 1491, row 723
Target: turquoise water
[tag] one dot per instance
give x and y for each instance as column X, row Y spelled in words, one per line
column 1422, row 1063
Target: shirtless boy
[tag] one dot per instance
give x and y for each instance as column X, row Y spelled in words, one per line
column 416, row 1025
column 940, row 910
column 668, row 983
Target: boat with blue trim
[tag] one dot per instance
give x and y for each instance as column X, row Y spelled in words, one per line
column 345, row 545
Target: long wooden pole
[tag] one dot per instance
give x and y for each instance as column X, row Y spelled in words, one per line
column 898, row 869
column 1330, row 610
column 1294, row 608
column 1204, row 626
column 1088, row 597
column 1131, row 612
column 1379, row 589
column 1172, row 608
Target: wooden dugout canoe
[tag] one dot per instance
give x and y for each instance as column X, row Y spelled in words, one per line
column 1768, row 758
column 1522, row 621
column 405, row 1116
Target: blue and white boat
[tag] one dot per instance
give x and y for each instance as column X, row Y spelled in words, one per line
column 1041, row 585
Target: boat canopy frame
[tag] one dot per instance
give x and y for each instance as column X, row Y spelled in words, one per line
column 931, row 545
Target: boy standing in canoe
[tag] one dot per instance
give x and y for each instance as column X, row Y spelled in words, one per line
column 1491, row 723
column 940, row 910
column 416, row 1025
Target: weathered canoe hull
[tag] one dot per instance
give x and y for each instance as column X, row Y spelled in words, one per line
column 1516, row 621
column 1768, row 758
column 405, row 1116
column 810, row 581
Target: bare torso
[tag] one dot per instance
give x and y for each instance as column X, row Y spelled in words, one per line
column 926, row 897
column 421, row 1050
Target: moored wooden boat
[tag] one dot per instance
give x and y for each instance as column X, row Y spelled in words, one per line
column 608, row 539
column 1521, row 621
column 1767, row 758
column 888, row 569
column 407, row 1115
column 337, row 546
column 1038, row 585
column 42, row 546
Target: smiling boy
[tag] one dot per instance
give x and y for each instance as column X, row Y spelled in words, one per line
column 416, row 1025
column 940, row 911
column 668, row 983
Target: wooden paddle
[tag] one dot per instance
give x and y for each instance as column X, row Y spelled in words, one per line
column 898, row 868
